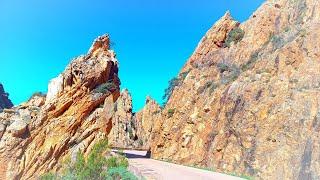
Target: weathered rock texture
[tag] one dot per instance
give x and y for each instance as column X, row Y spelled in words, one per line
column 129, row 129
column 123, row 133
column 38, row 135
column 4, row 99
column 146, row 120
column 254, row 107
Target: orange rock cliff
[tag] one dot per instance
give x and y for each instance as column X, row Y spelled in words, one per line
column 248, row 99
column 76, row 113
column 246, row 102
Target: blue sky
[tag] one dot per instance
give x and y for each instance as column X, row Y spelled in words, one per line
column 153, row 39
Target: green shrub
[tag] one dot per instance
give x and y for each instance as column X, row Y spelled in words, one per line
column 208, row 85
column 140, row 142
column 253, row 58
column 174, row 82
column 95, row 167
column 123, row 162
column 121, row 173
column 114, row 162
column 170, row 112
column 183, row 75
column 105, row 87
column 277, row 41
column 233, row 74
column 235, row 35
column 223, row 67
column 48, row 176
column 168, row 92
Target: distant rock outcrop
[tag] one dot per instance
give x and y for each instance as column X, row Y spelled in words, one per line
column 129, row 129
column 248, row 99
column 37, row 136
column 4, row 99
column 123, row 133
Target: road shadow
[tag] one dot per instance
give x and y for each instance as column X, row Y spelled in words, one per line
column 135, row 156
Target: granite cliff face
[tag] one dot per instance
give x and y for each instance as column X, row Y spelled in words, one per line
column 248, row 99
column 35, row 137
column 4, row 99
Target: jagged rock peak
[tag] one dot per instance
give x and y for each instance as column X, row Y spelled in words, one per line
column 99, row 62
column 150, row 100
column 215, row 36
column 125, row 101
column 101, row 43
column 36, row 138
column 5, row 102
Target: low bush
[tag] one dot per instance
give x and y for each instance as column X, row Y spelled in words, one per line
column 105, row 87
column 232, row 75
column 174, row 82
column 235, row 35
column 95, row 167
column 121, row 173
column 140, row 142
column 222, row 67
column 168, row 92
column 249, row 64
column 170, row 112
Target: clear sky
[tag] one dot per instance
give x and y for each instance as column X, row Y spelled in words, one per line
column 153, row 39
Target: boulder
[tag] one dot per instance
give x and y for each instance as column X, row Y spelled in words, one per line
column 18, row 128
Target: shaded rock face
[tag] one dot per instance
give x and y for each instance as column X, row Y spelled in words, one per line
column 4, row 99
column 252, row 108
column 35, row 137
column 146, row 120
column 129, row 129
column 123, row 133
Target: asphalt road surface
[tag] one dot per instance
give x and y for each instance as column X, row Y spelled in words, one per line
column 148, row 168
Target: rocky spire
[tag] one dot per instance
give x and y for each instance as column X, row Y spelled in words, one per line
column 5, row 102
column 36, row 138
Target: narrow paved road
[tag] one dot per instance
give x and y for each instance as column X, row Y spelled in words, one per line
column 159, row 170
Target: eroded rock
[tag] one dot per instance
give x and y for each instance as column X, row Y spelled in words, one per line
column 251, row 108
column 5, row 102
column 41, row 133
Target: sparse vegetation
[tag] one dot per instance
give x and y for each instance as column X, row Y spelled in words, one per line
column 241, row 176
column 130, row 132
column 223, row 67
column 174, row 82
column 105, row 87
column 253, row 58
column 170, row 112
column 232, row 75
column 183, row 75
column 120, row 173
column 168, row 92
column 95, row 167
column 208, row 85
column 277, row 41
column 235, row 35
column 140, row 142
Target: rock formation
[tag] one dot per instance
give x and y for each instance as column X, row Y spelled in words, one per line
column 248, row 99
column 146, row 120
column 129, row 129
column 4, row 99
column 123, row 133
column 35, row 137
